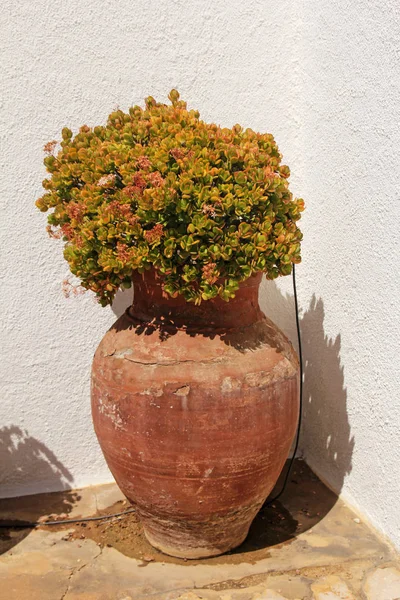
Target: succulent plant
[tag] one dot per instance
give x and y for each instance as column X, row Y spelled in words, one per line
column 159, row 188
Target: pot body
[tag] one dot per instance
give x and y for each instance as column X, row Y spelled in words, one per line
column 195, row 409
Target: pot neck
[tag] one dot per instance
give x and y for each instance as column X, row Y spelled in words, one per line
column 150, row 305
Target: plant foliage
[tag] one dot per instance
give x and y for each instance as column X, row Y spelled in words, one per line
column 159, row 188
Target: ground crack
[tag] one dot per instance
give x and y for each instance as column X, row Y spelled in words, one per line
column 68, row 584
column 243, row 582
column 76, row 570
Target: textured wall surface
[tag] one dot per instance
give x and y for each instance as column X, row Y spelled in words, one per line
column 323, row 77
column 349, row 282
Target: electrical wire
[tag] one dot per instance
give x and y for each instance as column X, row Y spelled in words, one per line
column 296, row 446
column 268, row 501
column 32, row 524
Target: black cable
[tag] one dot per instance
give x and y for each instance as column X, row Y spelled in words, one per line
column 296, row 446
column 30, row 525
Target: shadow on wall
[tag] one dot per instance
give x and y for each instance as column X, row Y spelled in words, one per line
column 327, row 442
column 325, row 436
column 123, row 299
column 24, row 460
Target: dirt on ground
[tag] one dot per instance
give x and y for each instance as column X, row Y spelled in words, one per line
column 305, row 501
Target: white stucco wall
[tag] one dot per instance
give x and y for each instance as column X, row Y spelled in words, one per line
column 351, row 139
column 323, row 77
column 348, row 283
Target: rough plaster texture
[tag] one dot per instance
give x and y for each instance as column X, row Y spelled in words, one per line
column 323, row 77
column 351, row 139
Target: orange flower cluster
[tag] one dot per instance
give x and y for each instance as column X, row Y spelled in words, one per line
column 155, row 234
column 210, row 273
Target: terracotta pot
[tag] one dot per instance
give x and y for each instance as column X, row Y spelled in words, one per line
column 195, row 409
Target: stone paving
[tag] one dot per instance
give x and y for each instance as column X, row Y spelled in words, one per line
column 332, row 555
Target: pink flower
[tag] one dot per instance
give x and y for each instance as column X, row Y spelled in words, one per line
column 122, row 211
column 143, row 162
column 106, row 180
column 177, row 153
column 75, row 211
column 210, row 272
column 123, row 253
column 56, row 234
column 209, row 210
column 156, row 179
column 155, row 234
column 49, row 147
